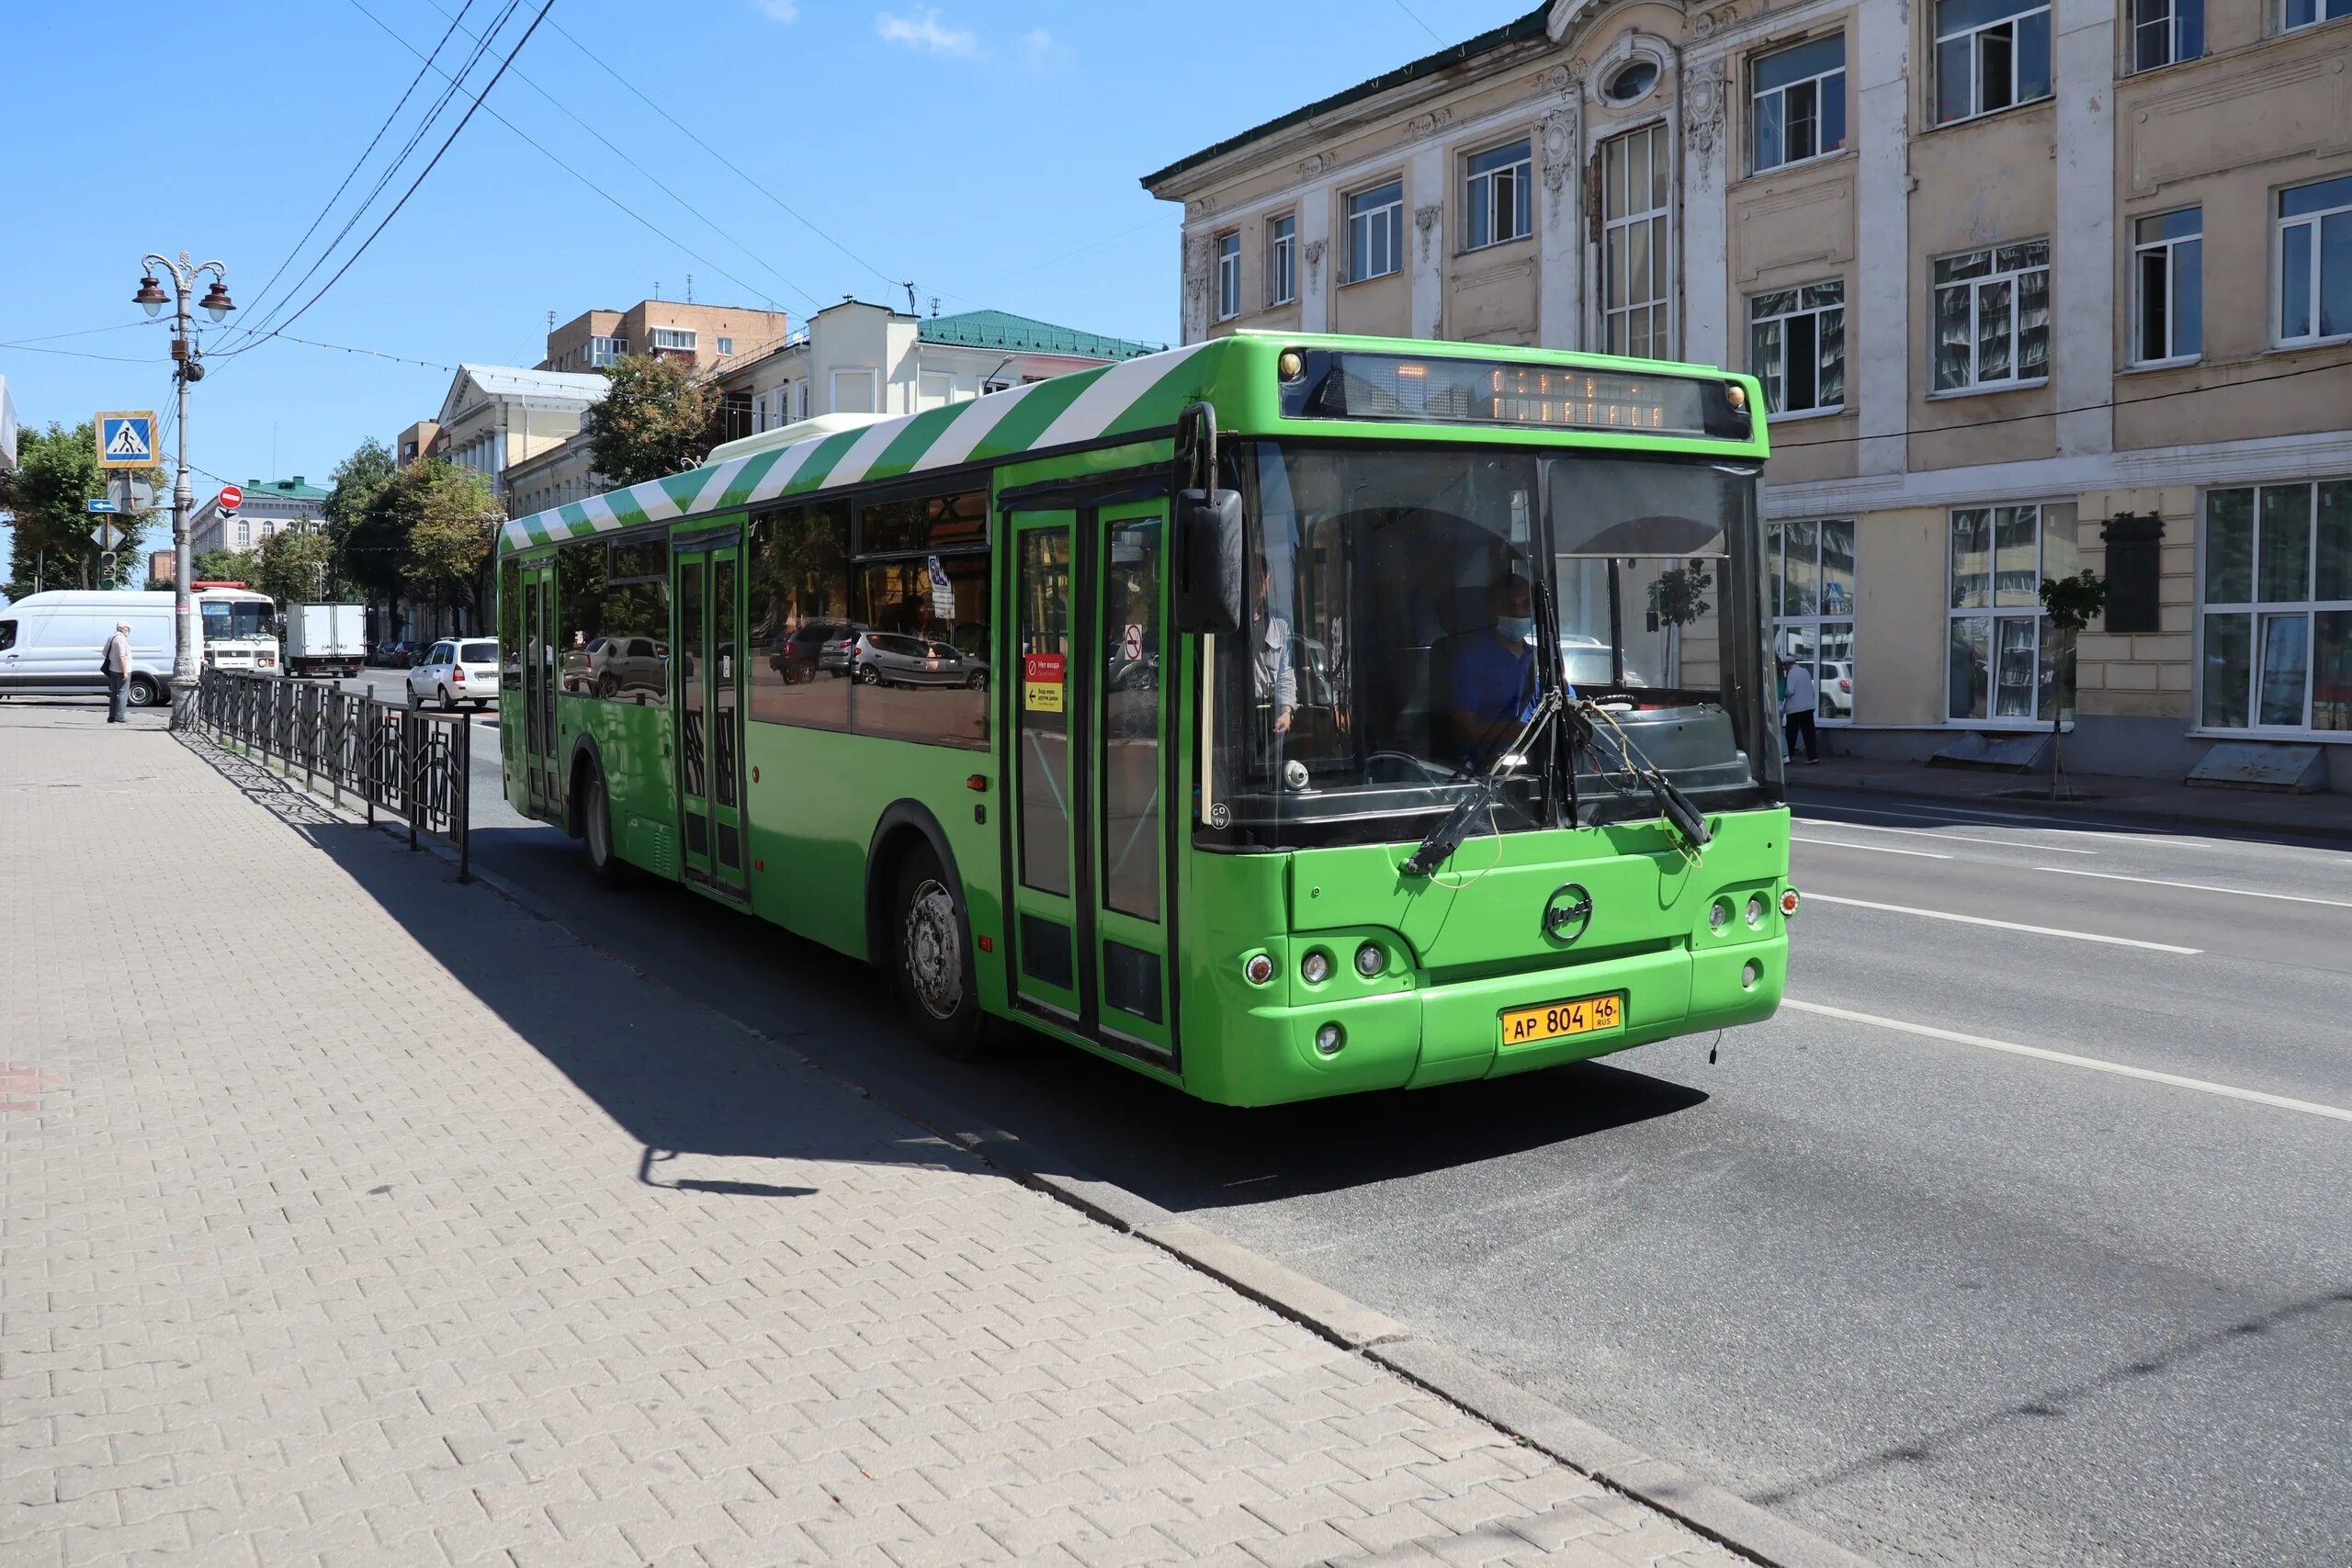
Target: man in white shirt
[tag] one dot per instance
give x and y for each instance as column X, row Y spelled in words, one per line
column 1796, row 712
column 116, row 665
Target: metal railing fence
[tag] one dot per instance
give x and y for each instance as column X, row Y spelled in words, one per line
column 410, row 764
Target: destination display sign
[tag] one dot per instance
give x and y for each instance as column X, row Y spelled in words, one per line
column 1443, row 391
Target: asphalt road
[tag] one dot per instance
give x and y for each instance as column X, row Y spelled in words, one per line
column 1944, row 1301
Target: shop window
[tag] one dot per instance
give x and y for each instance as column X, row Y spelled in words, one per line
column 2275, row 626
column 1809, row 588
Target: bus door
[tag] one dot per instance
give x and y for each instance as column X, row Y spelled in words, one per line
column 1089, row 841
column 543, row 789
column 707, row 587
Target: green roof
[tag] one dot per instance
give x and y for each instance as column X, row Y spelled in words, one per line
column 1528, row 27
column 295, row 489
column 1001, row 329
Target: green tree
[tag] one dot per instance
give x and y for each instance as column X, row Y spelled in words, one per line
column 2070, row 603
column 449, row 521
column 56, row 536
column 654, row 420
column 1676, row 598
column 296, row 567
column 228, row 566
column 369, row 547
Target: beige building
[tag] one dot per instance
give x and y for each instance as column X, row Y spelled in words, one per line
column 2031, row 289
column 709, row 338
column 497, row 415
column 419, row 440
column 852, row 358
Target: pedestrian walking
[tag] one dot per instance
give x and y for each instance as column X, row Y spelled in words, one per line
column 1796, row 713
column 116, row 666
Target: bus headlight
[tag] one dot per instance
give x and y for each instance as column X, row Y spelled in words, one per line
column 1329, row 1038
column 1371, row 960
column 1315, row 967
column 1718, row 914
column 1756, row 909
column 1257, row 968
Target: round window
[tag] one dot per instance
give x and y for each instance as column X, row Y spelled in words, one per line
column 1631, row 82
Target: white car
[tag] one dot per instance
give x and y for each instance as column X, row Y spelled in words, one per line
column 456, row 669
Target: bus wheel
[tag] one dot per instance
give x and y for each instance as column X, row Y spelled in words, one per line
column 596, row 829
column 144, row 692
column 934, row 959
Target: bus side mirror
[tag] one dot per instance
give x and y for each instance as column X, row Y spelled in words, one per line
column 1208, row 593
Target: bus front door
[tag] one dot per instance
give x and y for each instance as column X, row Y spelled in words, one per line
column 1090, row 908
column 707, row 587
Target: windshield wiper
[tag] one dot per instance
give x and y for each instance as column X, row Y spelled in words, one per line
column 1638, row 771
column 1454, row 826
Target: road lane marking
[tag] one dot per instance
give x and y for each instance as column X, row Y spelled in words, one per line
column 1874, row 849
column 2002, row 925
column 2197, row 887
column 2202, row 1086
column 1946, row 838
column 1973, row 817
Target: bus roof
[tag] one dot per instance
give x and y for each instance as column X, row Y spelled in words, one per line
column 1136, row 398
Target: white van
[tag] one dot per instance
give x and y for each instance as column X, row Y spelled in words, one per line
column 51, row 644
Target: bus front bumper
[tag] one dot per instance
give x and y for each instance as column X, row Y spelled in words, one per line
column 1428, row 1033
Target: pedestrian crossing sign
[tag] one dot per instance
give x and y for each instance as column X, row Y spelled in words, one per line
column 127, row 439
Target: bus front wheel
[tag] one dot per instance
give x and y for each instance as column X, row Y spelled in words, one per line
column 932, row 957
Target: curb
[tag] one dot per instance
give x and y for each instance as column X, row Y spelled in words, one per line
column 2060, row 810
column 1712, row 1511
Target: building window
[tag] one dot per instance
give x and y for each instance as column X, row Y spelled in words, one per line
column 2165, row 31
column 603, row 351
column 1797, row 347
column 1990, row 55
column 1635, row 235
column 1376, row 231
column 1228, row 276
column 2168, row 286
column 2304, row 13
column 1500, row 202
column 1632, row 81
column 671, row 337
column 725, row 346
column 244, row 534
column 853, row 392
column 2002, row 664
column 2316, row 261
column 2276, row 636
column 1810, row 572
column 1799, row 108
column 1281, row 261
column 1992, row 317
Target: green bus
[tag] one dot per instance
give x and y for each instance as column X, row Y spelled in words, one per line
column 1278, row 715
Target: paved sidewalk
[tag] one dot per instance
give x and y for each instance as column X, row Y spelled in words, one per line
column 2104, row 797
column 350, row 1215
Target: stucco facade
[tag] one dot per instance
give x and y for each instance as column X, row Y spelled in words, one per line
column 2032, row 287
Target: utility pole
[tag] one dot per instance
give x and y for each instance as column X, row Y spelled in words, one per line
column 185, row 367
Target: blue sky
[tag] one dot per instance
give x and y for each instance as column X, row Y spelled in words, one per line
column 986, row 148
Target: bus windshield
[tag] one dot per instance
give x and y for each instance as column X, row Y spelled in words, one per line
column 226, row 618
column 1400, row 597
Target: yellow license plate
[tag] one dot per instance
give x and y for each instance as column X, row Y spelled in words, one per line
column 1552, row 1020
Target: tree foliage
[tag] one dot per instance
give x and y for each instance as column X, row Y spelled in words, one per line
column 296, row 567
column 368, row 549
column 447, row 520
column 57, row 475
column 227, row 566
column 655, row 420
column 2070, row 603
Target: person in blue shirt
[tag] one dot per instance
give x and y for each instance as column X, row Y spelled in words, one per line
column 1495, row 675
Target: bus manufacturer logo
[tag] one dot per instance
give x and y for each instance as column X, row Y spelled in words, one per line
column 1567, row 912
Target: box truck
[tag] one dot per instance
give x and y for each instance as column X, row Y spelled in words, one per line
column 325, row 640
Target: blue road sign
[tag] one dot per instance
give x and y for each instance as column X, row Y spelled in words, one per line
column 103, row 505
column 127, row 439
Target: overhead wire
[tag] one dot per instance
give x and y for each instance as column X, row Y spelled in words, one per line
column 656, row 181
column 361, row 162
column 789, row 210
column 422, row 175
column 383, row 179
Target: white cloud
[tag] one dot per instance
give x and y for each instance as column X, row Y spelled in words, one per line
column 1043, row 50
column 927, row 32
column 779, row 10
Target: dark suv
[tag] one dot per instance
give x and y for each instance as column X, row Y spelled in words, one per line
column 802, row 653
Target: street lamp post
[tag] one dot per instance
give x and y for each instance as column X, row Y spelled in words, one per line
column 185, row 367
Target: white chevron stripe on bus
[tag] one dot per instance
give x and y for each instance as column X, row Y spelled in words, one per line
column 1117, row 390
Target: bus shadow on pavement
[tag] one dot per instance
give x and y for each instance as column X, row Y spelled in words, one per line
column 706, row 1098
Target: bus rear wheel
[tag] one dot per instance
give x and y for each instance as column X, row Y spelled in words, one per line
column 596, row 829
column 932, row 955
